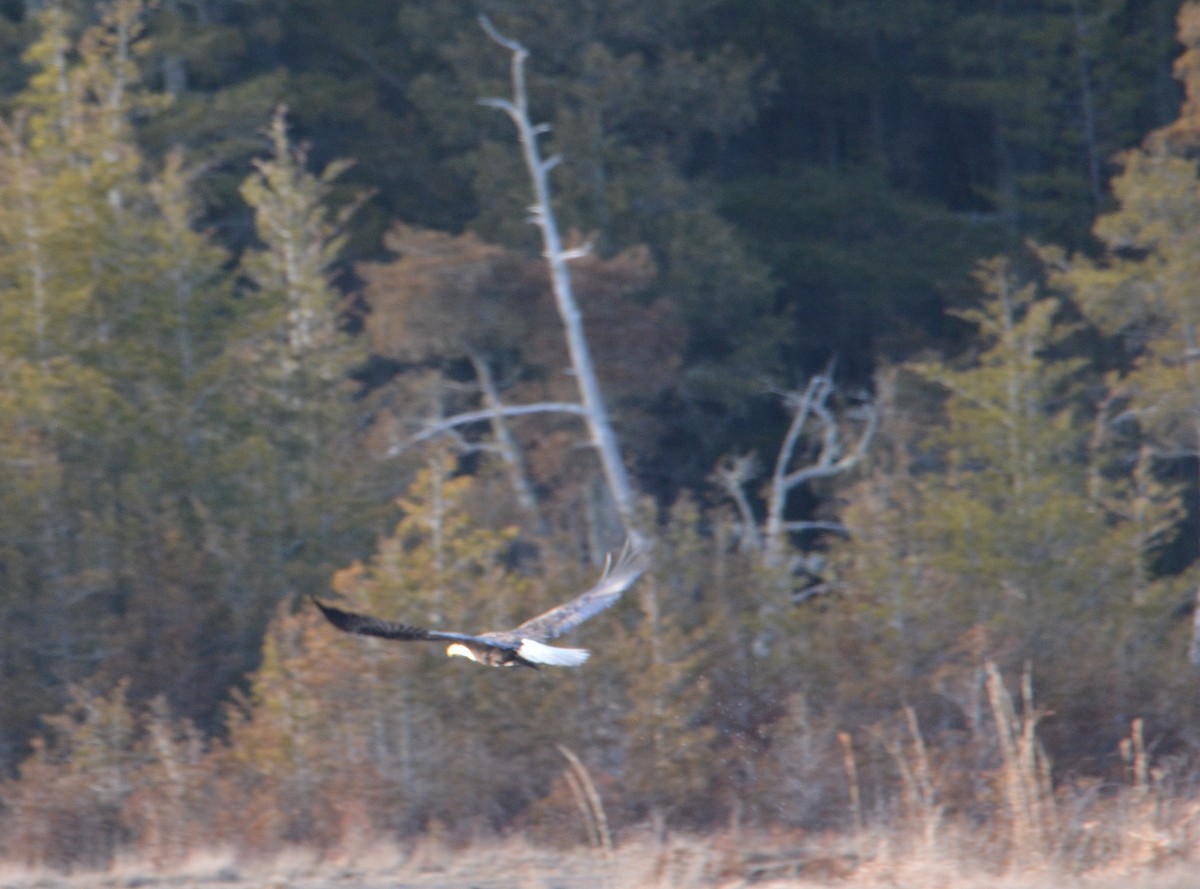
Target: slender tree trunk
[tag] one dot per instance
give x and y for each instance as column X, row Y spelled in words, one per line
column 510, row 453
column 173, row 69
column 1194, row 645
column 1190, row 368
column 773, row 531
column 1088, row 103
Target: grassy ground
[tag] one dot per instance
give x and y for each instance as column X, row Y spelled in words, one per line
column 640, row 862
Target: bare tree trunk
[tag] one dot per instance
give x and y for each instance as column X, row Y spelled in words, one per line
column 595, row 414
column 1091, row 140
column 1194, row 645
column 732, row 474
column 507, row 446
column 1190, row 345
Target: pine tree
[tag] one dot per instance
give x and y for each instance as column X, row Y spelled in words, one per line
column 301, row 238
column 1141, row 292
column 71, row 207
column 119, row 416
column 669, row 740
column 294, row 358
column 1006, row 550
column 1011, row 507
column 1049, row 85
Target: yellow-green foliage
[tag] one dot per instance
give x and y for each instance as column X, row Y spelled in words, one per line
column 1008, row 536
column 400, row 731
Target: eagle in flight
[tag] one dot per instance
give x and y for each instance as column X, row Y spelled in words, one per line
column 525, row 644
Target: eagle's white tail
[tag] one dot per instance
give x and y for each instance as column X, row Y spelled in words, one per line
column 538, row 653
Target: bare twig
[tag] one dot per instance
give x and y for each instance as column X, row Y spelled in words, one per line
column 506, row 445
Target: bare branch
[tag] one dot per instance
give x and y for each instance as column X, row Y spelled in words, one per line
column 507, row 42
column 801, row 405
column 441, row 427
column 832, row 461
column 503, row 104
column 579, row 252
column 1183, row 357
column 821, row 589
column 836, row 527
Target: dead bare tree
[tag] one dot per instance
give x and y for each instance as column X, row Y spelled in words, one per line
column 591, row 407
column 815, row 421
column 732, row 474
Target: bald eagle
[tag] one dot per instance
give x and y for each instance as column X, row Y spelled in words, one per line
column 523, row 645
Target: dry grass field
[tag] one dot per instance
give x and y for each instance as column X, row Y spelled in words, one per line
column 640, row 862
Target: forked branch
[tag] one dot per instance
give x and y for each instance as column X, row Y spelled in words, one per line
column 813, row 420
column 833, row 456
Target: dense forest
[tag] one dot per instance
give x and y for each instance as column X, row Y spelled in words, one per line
column 893, row 311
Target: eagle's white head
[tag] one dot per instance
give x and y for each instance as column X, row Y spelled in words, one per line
column 457, row 649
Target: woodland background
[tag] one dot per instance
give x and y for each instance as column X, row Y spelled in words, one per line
column 894, row 307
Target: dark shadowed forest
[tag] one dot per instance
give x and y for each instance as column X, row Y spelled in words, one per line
column 879, row 322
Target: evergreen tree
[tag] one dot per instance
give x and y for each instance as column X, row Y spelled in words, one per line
column 1049, row 84
column 669, row 736
column 1141, row 292
column 132, row 543
column 296, row 358
column 71, row 206
column 1004, row 550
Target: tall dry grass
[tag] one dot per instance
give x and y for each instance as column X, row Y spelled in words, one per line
column 117, row 797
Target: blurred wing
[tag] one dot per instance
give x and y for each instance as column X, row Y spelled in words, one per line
column 616, row 579
column 365, row 625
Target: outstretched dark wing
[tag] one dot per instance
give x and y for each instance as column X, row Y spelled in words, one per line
column 616, row 579
column 365, row 625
